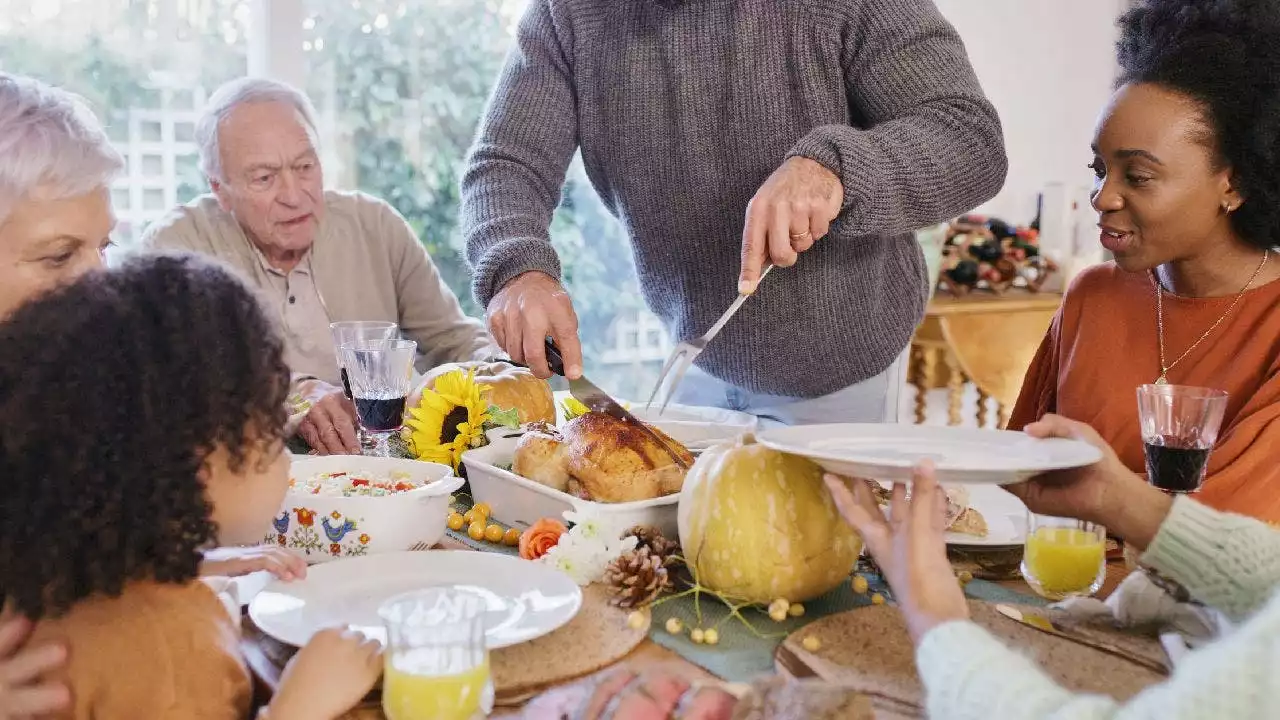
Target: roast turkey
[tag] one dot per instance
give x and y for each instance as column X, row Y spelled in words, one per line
column 541, row 456
column 599, row 457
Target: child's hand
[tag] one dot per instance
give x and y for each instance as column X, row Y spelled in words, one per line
column 328, row 677
column 25, row 689
column 236, row 561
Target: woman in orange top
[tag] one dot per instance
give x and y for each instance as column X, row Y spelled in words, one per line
column 1187, row 157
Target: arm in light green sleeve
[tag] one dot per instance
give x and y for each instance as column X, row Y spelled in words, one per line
column 969, row 674
column 1228, row 562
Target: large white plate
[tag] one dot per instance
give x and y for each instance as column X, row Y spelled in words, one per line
column 961, row 455
column 1005, row 514
column 525, row 600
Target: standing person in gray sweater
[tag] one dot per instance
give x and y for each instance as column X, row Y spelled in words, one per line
column 726, row 134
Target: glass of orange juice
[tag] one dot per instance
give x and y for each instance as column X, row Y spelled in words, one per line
column 1064, row 557
column 436, row 662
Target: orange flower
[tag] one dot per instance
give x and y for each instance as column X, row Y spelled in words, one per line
column 540, row 537
column 364, row 539
column 335, row 515
column 306, row 518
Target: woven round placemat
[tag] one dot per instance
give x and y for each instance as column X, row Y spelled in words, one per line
column 869, row 649
column 597, row 637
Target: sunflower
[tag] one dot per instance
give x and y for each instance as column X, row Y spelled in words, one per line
column 449, row 419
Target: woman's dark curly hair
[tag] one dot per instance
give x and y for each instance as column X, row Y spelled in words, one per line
column 113, row 391
column 1224, row 55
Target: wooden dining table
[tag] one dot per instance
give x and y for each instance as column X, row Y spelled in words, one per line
column 266, row 656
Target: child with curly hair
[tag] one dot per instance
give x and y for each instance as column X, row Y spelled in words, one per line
column 143, row 414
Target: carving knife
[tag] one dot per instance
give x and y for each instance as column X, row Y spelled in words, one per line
column 597, row 400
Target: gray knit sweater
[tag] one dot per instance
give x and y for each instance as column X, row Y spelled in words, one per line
column 683, row 109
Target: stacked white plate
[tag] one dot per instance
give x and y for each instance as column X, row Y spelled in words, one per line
column 525, row 600
column 979, row 459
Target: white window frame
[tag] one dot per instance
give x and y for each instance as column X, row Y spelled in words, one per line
column 274, row 42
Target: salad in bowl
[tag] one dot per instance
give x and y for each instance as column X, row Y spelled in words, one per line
column 351, row 505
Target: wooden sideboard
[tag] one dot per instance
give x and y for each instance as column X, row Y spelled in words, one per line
column 984, row 339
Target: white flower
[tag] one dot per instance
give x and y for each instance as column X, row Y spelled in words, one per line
column 585, row 551
column 592, row 527
column 577, row 561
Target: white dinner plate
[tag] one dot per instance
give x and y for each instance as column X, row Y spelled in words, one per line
column 525, row 600
column 961, row 455
column 1005, row 514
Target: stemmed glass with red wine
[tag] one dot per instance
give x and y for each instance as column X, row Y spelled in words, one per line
column 1180, row 424
column 380, row 373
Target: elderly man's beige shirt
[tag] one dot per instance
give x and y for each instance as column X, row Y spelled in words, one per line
column 366, row 264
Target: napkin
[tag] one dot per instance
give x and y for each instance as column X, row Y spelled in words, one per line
column 1140, row 603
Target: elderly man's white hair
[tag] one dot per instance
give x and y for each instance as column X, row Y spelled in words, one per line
column 50, row 143
column 230, row 96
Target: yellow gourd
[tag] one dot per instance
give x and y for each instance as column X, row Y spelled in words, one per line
column 756, row 524
column 510, row 387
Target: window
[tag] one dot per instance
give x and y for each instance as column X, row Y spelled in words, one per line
column 399, row 86
column 145, row 66
column 153, row 199
column 151, row 131
column 153, row 166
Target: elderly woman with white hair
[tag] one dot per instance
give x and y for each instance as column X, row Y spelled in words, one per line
column 56, row 168
column 317, row 256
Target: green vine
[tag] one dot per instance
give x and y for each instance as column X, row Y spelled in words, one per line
column 735, row 604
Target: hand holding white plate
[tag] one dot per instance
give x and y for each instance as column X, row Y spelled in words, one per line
column 961, row 455
column 525, row 600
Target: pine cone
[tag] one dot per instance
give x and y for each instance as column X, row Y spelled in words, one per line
column 650, row 537
column 636, row 578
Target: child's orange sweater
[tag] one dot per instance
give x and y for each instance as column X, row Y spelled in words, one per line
column 157, row 651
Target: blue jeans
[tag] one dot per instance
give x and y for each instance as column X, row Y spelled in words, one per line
column 870, row 401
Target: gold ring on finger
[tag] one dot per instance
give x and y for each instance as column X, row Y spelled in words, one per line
column 801, row 236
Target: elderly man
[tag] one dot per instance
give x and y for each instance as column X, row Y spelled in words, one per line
column 318, row 256
column 724, row 136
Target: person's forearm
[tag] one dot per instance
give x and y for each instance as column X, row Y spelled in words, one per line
column 516, row 168
column 1228, row 562
column 895, row 176
column 929, row 145
column 1135, row 511
column 968, row 673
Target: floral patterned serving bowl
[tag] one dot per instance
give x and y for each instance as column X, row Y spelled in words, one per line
column 325, row 527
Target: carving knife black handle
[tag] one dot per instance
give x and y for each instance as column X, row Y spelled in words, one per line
column 554, row 359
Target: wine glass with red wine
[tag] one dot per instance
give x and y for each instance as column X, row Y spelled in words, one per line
column 358, row 331
column 1180, row 424
column 380, row 373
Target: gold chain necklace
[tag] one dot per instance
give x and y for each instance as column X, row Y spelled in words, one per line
column 1164, row 369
